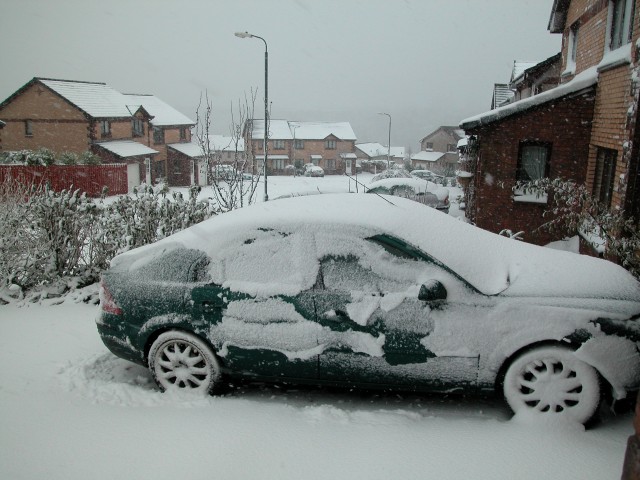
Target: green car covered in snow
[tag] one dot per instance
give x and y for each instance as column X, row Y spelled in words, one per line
column 356, row 290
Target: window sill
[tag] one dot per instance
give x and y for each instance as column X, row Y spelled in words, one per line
column 569, row 71
column 615, row 58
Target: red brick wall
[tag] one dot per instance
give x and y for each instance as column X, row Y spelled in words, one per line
column 565, row 125
column 88, row 178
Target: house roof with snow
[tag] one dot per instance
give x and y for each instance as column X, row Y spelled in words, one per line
column 127, row 148
column 98, row 100
column 578, row 84
column 372, row 149
column 190, row 149
column 164, row 115
column 519, row 66
column 558, row 17
column 288, row 130
column 427, row 156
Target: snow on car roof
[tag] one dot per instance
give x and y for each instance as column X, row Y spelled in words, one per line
column 489, row 262
column 418, row 184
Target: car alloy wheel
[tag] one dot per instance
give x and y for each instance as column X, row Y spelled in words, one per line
column 182, row 361
column 552, row 381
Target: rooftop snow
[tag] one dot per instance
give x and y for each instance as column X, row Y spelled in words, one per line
column 580, row 82
column 491, row 263
column 427, row 156
column 163, row 114
column 372, row 149
column 127, row 148
column 191, row 149
column 285, row 130
column 519, row 66
column 97, row 99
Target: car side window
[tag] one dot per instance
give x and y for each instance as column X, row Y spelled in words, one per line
column 347, row 274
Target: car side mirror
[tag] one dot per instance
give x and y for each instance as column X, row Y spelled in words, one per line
column 432, row 291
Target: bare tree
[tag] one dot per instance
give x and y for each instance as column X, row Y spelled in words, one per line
column 233, row 180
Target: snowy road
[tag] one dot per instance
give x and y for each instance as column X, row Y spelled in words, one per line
column 71, row 410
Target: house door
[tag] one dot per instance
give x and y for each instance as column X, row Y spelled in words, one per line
column 348, row 166
column 133, row 176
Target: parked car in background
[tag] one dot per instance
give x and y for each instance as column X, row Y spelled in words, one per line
column 428, row 175
column 413, row 188
column 314, row 171
column 355, row 291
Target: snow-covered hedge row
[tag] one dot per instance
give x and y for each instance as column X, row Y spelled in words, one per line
column 46, row 236
column 46, row 157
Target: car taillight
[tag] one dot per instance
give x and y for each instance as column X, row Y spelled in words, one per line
column 107, row 302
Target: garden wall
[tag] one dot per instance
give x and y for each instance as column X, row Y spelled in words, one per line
column 90, row 179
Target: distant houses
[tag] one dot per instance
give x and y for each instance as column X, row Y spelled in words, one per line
column 439, row 151
column 293, row 144
column 74, row 116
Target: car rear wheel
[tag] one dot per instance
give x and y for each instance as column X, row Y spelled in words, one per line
column 182, row 361
column 553, row 383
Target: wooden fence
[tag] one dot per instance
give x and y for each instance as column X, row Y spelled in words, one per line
column 90, row 179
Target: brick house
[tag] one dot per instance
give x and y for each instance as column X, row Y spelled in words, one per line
column 444, row 140
column 584, row 129
column 291, row 145
column 75, row 116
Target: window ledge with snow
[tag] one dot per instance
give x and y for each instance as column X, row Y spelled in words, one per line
column 570, row 70
column 615, row 58
column 521, row 197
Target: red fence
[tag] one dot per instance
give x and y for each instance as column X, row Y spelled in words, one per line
column 90, row 179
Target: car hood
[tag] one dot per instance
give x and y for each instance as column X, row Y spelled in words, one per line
column 491, row 263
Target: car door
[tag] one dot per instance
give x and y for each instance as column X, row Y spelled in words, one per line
column 382, row 313
column 269, row 330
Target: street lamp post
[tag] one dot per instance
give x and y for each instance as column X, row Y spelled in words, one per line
column 266, row 104
column 389, row 146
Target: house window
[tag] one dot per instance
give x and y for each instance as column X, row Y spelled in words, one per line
column 452, row 148
column 105, row 128
column 605, row 172
column 572, row 49
column 621, row 13
column 331, row 164
column 299, row 145
column 533, row 162
column 428, row 146
column 330, row 144
column 183, row 134
column 278, row 144
column 278, row 163
column 28, row 128
column 137, row 127
column 158, row 135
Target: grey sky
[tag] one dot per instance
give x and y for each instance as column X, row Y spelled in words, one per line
column 426, row 62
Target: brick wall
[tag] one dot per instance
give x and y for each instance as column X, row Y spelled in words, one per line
column 565, row 125
column 88, row 178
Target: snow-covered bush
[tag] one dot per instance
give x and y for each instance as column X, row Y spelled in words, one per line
column 46, row 236
column 573, row 209
column 391, row 173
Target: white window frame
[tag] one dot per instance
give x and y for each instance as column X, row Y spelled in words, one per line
column 625, row 26
column 572, row 50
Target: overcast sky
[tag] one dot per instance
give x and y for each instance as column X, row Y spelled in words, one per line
column 425, row 62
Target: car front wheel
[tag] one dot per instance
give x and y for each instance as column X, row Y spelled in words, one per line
column 182, row 361
column 553, row 383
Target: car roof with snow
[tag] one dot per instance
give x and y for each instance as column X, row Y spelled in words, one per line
column 491, row 263
column 419, row 185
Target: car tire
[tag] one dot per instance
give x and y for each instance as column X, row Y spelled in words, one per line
column 551, row 382
column 181, row 361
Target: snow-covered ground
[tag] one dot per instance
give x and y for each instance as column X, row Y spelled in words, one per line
column 71, row 410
